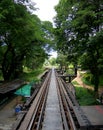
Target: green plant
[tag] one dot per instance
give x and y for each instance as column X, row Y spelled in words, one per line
column 32, row 75
column 84, row 96
column 75, row 83
column 101, row 80
column 87, row 78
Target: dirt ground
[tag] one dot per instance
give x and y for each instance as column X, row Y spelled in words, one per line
column 78, row 79
column 7, row 114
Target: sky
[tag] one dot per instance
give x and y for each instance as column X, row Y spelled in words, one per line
column 46, row 10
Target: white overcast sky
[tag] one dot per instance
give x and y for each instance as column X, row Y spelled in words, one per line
column 46, row 10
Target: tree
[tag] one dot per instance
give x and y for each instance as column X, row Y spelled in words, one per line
column 52, row 61
column 22, row 39
column 92, row 58
column 62, row 61
column 15, row 37
column 76, row 24
column 88, row 22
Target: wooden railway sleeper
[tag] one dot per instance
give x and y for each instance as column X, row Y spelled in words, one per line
column 71, row 101
column 72, row 112
column 39, row 126
column 71, row 96
column 42, row 107
column 31, row 126
column 71, row 108
column 67, row 93
column 31, row 116
column 68, row 114
column 65, row 124
column 70, row 124
column 40, row 111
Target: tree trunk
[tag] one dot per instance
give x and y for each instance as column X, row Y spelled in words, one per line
column 96, row 81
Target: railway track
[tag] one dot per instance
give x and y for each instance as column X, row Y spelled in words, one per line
column 67, row 105
column 73, row 117
column 34, row 117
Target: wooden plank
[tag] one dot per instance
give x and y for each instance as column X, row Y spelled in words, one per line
column 10, row 86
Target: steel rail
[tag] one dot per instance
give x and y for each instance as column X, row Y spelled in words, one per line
column 64, row 120
column 42, row 104
column 71, row 98
column 75, row 116
column 77, row 113
column 64, row 95
column 33, row 118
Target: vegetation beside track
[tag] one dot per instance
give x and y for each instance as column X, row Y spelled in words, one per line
column 88, row 79
column 32, row 75
column 86, row 96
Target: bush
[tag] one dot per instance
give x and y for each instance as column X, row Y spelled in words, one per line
column 31, row 75
column 87, row 79
column 101, row 80
column 85, row 97
column 75, row 83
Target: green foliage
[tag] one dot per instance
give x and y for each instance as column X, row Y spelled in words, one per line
column 70, row 71
column 75, row 83
column 52, row 61
column 62, row 61
column 101, row 80
column 85, row 97
column 1, row 77
column 23, row 38
column 79, row 34
column 31, row 75
column 87, row 78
